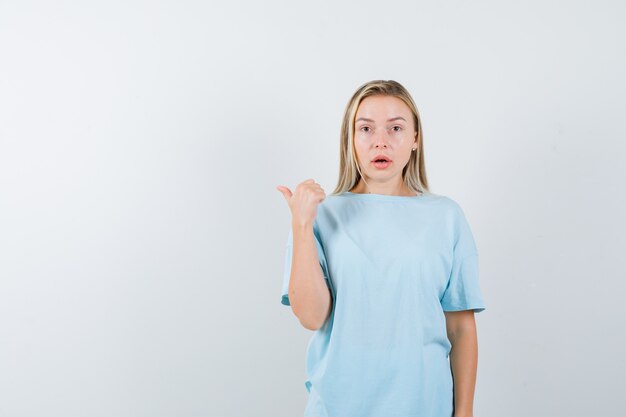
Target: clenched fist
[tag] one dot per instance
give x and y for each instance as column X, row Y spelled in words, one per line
column 303, row 202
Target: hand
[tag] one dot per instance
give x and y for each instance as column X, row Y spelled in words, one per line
column 304, row 201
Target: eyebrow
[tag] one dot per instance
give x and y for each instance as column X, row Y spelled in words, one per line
column 370, row 120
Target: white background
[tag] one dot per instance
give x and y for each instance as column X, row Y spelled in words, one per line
column 142, row 239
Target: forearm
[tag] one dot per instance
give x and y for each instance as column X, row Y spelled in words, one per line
column 464, row 361
column 309, row 295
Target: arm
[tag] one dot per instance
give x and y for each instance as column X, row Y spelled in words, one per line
column 461, row 329
column 309, row 295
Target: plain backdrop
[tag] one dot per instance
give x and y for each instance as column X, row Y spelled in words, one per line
column 142, row 238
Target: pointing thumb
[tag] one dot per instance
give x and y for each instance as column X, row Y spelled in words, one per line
column 286, row 192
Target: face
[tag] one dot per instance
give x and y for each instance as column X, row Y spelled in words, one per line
column 384, row 126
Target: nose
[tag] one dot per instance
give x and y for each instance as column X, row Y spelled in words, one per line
column 381, row 139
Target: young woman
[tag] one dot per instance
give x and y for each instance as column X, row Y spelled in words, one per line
column 385, row 272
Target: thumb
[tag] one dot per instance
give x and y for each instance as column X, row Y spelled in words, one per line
column 285, row 191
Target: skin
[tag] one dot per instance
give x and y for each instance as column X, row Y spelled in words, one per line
column 379, row 131
column 461, row 329
column 309, row 296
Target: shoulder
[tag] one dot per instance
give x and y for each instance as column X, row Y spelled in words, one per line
column 451, row 210
column 445, row 203
column 452, row 204
column 332, row 201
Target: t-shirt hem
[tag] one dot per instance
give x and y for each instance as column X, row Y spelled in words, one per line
column 476, row 308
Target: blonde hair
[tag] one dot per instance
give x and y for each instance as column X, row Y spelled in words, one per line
column 413, row 174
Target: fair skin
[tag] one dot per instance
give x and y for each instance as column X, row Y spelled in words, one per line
column 309, row 296
column 461, row 329
column 383, row 125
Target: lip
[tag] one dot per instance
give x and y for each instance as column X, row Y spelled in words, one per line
column 381, row 156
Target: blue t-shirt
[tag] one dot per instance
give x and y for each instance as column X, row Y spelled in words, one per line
column 393, row 265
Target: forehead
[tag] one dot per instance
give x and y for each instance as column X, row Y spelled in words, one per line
column 382, row 107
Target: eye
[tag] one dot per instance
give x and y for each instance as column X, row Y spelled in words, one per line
column 365, row 127
column 399, row 128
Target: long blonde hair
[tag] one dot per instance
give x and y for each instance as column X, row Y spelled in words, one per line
column 413, row 174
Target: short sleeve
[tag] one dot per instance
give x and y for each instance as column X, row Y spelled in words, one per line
column 287, row 269
column 463, row 289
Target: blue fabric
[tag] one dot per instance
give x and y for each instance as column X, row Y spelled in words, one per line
column 393, row 265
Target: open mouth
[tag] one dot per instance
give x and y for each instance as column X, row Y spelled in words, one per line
column 381, row 161
column 381, row 158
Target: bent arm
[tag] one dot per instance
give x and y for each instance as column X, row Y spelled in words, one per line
column 309, row 295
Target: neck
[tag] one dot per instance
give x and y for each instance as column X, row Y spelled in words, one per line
column 385, row 189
